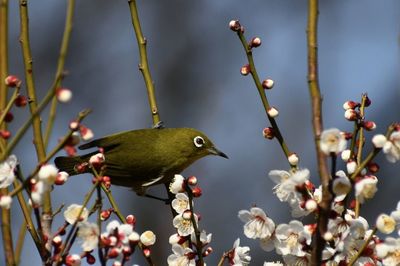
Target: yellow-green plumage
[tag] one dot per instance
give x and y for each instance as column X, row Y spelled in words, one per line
column 145, row 157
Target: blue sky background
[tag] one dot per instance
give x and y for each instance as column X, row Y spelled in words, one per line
column 195, row 61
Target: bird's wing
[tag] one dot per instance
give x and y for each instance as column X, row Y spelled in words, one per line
column 107, row 142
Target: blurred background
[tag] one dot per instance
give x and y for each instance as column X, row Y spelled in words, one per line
column 195, row 61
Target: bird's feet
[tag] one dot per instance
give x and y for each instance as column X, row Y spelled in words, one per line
column 159, row 125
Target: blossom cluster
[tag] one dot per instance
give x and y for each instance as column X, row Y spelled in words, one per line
column 188, row 243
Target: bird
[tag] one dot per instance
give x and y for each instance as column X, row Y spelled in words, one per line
column 143, row 158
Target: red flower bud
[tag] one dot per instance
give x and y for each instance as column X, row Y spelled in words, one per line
column 9, row 117
column 245, row 70
column 192, row 180
column 234, row 25
column 131, row 219
column 5, row 134
column 255, row 42
column 21, row 101
column 196, row 192
column 268, row 133
column 12, row 81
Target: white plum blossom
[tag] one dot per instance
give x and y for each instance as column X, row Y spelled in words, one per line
column 341, row 185
column 385, row 224
column 181, row 257
column 366, row 188
column 332, row 141
column 48, row 174
column 389, row 251
column 286, row 182
column 204, row 238
column 89, row 234
column 176, row 184
column 184, row 226
column 291, row 238
column 7, row 167
column 148, row 238
column 72, row 212
column 257, row 223
column 240, row 255
column 392, row 147
column 5, row 202
column 180, row 203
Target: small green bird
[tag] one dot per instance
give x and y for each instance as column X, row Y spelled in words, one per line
column 145, row 157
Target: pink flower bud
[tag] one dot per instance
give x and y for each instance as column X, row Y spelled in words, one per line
column 187, row 215
column 12, row 81
column 73, row 260
column 146, row 252
column 57, row 241
column 63, row 95
column 350, row 105
column 5, row 134
column 255, row 42
column 192, row 180
column 369, row 125
column 90, row 259
column 9, row 117
column 196, row 192
column 234, row 25
column 61, row 178
column 130, row 219
column 105, row 214
column 97, row 160
column 351, row 115
column 21, row 101
column 273, row 112
column 86, row 133
column 293, row 159
column 74, row 125
column 245, row 70
column 268, row 84
column 268, row 133
column 113, row 253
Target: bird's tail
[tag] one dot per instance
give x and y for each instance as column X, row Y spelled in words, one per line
column 68, row 164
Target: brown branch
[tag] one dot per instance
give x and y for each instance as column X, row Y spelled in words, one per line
column 144, row 65
column 316, row 102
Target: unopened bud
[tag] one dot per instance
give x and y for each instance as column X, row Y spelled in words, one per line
column 245, row 70
column 373, row 167
column 12, row 81
column 9, row 117
column 350, row 105
column 130, row 219
column 369, row 125
column 196, row 192
column 74, row 125
column 187, row 215
column 311, row 205
column 255, row 42
column 379, row 140
column 273, row 112
column 105, row 214
column 268, row 84
column 61, row 178
column 268, row 133
column 5, row 134
column 192, row 180
column 328, row 236
column 293, row 159
column 351, row 167
column 21, row 101
column 234, row 25
column 63, row 95
column 345, row 155
column 113, row 253
column 90, row 259
column 56, row 241
column 351, row 115
column 146, row 252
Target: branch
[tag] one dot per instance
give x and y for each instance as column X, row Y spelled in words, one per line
column 261, row 91
column 316, row 102
column 144, row 65
column 5, row 213
column 60, row 67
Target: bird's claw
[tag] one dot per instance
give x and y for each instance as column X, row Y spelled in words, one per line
column 159, row 125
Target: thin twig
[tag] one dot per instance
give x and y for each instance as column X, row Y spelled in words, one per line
column 360, row 251
column 261, row 91
column 316, row 102
column 60, row 67
column 199, row 245
column 9, row 105
column 144, row 65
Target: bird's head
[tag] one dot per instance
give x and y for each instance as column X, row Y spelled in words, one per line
column 196, row 144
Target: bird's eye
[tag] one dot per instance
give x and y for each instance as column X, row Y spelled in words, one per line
column 198, row 141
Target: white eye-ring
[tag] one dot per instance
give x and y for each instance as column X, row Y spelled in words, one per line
column 198, row 141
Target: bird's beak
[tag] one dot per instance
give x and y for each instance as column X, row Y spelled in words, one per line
column 215, row 151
